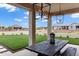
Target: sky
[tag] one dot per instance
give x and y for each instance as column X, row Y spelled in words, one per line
column 10, row 15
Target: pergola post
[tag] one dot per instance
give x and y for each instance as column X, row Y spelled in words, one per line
column 49, row 26
column 32, row 28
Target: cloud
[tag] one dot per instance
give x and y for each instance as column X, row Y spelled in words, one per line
column 26, row 17
column 44, row 20
column 25, row 24
column 75, row 15
column 18, row 20
column 26, row 13
column 37, row 16
column 8, row 7
column 44, row 16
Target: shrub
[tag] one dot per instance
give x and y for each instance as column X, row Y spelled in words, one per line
column 67, row 36
column 21, row 33
column 60, row 36
column 3, row 33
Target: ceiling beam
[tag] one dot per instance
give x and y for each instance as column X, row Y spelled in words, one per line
column 22, row 5
column 69, row 11
column 28, row 6
column 37, row 8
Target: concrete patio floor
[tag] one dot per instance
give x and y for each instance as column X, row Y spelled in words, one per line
column 25, row 52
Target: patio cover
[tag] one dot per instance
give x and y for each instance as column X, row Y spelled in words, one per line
column 66, row 8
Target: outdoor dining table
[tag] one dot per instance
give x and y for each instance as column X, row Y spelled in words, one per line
column 46, row 49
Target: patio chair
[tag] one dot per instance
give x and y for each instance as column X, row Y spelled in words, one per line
column 70, row 51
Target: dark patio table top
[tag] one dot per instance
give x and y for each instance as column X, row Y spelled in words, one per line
column 48, row 49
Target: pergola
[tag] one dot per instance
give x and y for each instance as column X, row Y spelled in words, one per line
column 66, row 8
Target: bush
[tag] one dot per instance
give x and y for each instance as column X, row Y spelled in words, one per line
column 3, row 33
column 67, row 36
column 21, row 33
column 60, row 36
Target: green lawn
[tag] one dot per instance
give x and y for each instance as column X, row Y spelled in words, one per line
column 71, row 40
column 19, row 41
column 14, row 41
column 40, row 38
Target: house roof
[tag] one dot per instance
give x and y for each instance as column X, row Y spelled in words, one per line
column 16, row 25
column 77, row 24
column 61, row 24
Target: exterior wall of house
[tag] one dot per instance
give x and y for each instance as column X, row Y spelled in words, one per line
column 77, row 27
column 74, row 26
column 60, row 27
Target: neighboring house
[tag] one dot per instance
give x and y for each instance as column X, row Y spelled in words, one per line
column 16, row 27
column 73, row 26
column 61, row 27
column 13, row 27
column 2, row 27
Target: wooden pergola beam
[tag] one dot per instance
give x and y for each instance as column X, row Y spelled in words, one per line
column 32, row 28
column 28, row 6
column 22, row 5
column 37, row 8
column 69, row 11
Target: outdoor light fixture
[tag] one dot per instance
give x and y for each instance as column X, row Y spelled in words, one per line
column 41, row 11
column 60, row 16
